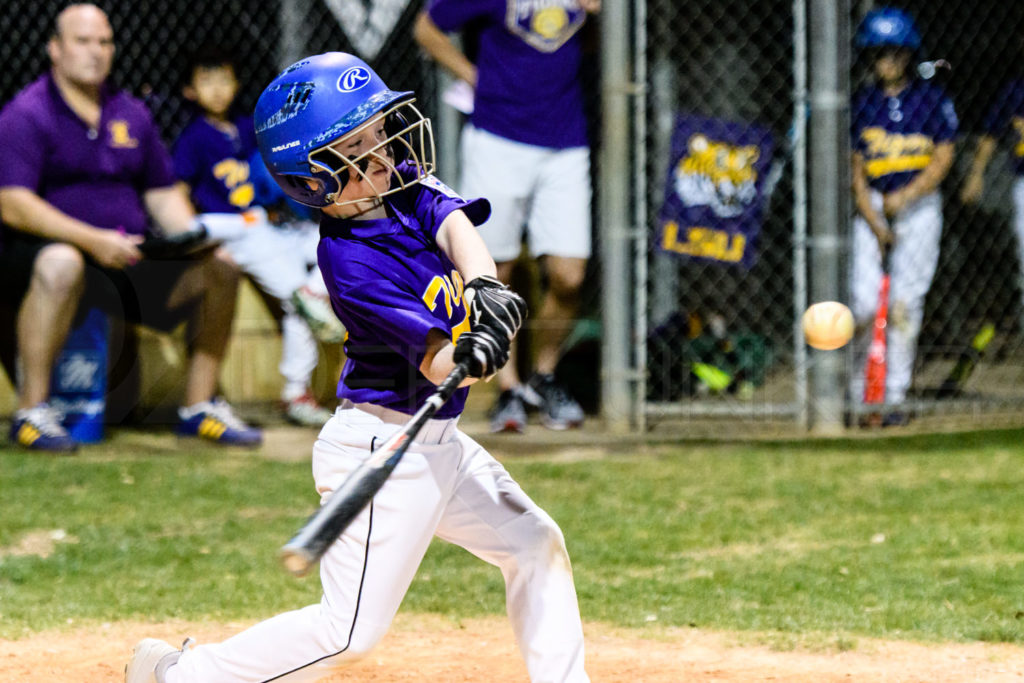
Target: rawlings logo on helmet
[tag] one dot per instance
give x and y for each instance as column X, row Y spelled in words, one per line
column 353, row 78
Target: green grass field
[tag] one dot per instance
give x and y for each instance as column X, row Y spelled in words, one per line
column 805, row 542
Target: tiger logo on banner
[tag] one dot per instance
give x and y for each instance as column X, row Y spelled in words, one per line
column 714, row 193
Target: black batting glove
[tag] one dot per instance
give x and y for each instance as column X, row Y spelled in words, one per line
column 492, row 303
column 485, row 348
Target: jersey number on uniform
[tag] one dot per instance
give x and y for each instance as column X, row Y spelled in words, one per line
column 452, row 290
column 234, row 173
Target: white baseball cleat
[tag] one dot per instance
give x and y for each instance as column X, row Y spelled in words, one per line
column 316, row 310
column 151, row 659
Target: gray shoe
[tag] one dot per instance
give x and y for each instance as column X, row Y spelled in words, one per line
column 151, row 659
column 559, row 409
column 508, row 413
column 306, row 412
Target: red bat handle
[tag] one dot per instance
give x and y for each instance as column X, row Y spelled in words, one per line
column 875, row 371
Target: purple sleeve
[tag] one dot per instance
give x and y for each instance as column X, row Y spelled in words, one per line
column 185, row 167
column 381, row 311
column 1007, row 102
column 24, row 148
column 157, row 171
column 946, row 121
column 436, row 200
column 452, row 15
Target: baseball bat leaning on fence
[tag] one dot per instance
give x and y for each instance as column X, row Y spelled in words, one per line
column 326, row 524
column 875, row 369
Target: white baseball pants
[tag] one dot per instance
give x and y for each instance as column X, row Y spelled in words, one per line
column 912, row 264
column 446, row 485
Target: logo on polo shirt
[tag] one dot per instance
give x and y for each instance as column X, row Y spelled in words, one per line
column 119, row 135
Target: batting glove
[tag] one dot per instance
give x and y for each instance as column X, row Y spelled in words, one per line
column 485, row 348
column 492, row 303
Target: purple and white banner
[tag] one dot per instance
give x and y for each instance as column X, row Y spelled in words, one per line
column 715, row 190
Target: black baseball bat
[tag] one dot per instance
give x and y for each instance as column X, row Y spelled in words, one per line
column 332, row 518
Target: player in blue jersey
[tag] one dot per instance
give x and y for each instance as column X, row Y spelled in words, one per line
column 1005, row 121
column 525, row 148
column 903, row 130
column 214, row 155
column 405, row 267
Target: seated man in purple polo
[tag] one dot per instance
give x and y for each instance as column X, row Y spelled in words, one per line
column 83, row 173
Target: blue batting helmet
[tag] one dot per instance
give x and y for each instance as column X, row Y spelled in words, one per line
column 320, row 99
column 888, row 27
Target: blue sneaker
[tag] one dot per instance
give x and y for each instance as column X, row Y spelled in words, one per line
column 215, row 421
column 39, row 428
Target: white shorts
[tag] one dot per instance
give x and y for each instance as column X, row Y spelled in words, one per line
column 545, row 190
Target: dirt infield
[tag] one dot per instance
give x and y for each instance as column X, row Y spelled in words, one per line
column 422, row 648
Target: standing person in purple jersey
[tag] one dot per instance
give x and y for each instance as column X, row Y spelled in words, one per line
column 525, row 149
column 1005, row 121
column 83, row 174
column 414, row 285
column 903, row 131
column 215, row 155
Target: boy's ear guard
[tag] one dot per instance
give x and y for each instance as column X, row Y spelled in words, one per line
column 299, row 188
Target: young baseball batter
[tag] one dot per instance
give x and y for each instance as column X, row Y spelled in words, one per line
column 404, row 265
column 903, row 130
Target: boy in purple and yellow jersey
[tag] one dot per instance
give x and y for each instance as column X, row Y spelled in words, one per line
column 215, row 155
column 412, row 281
column 1004, row 123
column 903, row 130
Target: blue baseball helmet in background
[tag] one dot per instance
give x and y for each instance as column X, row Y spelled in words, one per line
column 888, row 27
column 308, row 106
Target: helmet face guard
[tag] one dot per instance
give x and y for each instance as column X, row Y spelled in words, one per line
column 408, row 140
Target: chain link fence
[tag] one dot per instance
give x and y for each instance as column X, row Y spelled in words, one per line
column 726, row 280
column 716, row 185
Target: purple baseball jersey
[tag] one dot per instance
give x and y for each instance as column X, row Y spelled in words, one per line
column 390, row 284
column 897, row 135
column 215, row 164
column 1006, row 120
column 96, row 176
column 528, row 87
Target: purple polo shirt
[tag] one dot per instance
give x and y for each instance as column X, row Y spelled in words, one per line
column 215, row 164
column 528, row 86
column 390, row 284
column 94, row 176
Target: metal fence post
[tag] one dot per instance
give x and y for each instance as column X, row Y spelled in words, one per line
column 829, row 191
column 613, row 221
